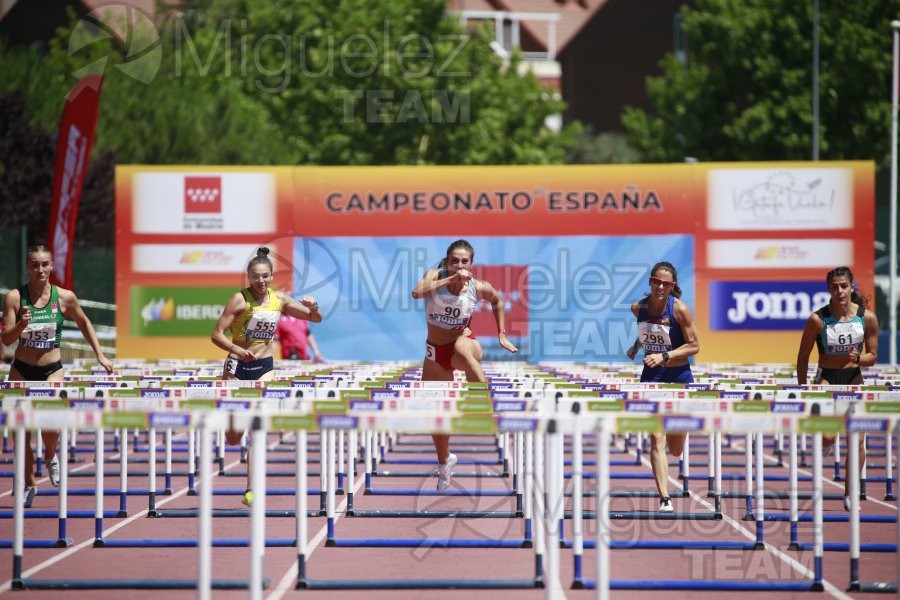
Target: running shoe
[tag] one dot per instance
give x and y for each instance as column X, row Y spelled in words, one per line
column 247, row 500
column 53, row 470
column 847, row 503
column 444, row 472
column 665, row 505
column 28, row 496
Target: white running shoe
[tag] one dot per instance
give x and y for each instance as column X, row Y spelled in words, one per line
column 28, row 496
column 847, row 503
column 444, row 472
column 53, row 471
column 665, row 505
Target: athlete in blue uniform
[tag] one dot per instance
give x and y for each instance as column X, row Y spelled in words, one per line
column 33, row 315
column 451, row 294
column 845, row 333
column 252, row 315
column 667, row 333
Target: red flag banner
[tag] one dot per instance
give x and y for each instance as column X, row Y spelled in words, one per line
column 73, row 149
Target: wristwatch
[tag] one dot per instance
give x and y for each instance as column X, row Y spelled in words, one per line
column 665, row 356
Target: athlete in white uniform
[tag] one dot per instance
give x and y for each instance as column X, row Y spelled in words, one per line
column 451, row 294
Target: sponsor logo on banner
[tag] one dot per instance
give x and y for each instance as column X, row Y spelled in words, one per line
column 228, row 202
column 764, row 305
column 191, row 258
column 202, row 194
column 176, row 311
column 778, row 254
column 779, row 199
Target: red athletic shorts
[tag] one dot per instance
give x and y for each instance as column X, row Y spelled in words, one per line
column 443, row 353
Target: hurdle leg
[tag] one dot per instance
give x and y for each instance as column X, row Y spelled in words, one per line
column 151, row 473
column 685, row 464
column 98, row 491
column 528, row 488
column 540, row 536
column 760, row 490
column 793, row 490
column 302, row 522
column 604, row 535
column 853, row 492
column 192, row 464
column 258, row 509
column 889, row 467
column 711, row 478
column 340, row 463
column 204, row 534
column 351, row 469
column 18, row 509
column 63, row 540
column 748, row 476
column 552, row 515
column 168, row 451
column 123, row 477
column 818, row 524
column 578, row 504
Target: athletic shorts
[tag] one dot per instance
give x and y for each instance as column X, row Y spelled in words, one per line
column 443, row 353
column 35, row 372
column 663, row 374
column 837, row 376
column 248, row 371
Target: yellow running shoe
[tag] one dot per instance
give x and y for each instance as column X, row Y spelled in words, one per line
column 247, row 500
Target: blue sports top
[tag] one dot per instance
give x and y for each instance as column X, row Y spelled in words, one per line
column 659, row 333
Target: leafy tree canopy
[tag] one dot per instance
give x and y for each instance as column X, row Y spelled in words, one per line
column 745, row 90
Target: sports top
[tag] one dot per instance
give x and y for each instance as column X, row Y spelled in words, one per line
column 257, row 323
column 44, row 331
column 839, row 337
column 447, row 310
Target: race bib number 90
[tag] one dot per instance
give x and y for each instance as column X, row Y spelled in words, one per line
column 41, row 336
column 261, row 326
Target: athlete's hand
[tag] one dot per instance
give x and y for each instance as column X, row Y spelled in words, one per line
column 653, row 360
column 506, row 344
column 25, row 316
column 463, row 275
column 105, row 363
column 631, row 352
column 243, row 354
column 310, row 303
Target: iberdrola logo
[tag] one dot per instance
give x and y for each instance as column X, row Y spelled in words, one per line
column 158, row 310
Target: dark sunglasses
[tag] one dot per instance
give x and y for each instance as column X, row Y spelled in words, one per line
column 654, row 281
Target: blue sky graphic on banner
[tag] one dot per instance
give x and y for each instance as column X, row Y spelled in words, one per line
column 568, row 298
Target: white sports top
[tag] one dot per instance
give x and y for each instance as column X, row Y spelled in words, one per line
column 450, row 311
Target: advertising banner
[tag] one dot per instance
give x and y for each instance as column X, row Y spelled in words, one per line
column 569, row 247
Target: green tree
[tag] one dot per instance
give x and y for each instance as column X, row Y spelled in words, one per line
column 376, row 82
column 744, row 92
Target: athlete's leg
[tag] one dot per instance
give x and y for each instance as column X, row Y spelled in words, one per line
column 431, row 371
column 467, row 355
column 659, row 463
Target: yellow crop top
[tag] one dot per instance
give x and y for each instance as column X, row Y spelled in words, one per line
column 257, row 323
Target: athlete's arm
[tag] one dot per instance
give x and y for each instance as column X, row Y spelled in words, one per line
column 870, row 356
column 306, row 308
column 430, row 283
column 236, row 305
column 810, row 332
column 485, row 291
column 72, row 309
column 691, row 343
column 11, row 329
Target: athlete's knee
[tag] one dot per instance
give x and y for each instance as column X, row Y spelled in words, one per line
column 233, row 437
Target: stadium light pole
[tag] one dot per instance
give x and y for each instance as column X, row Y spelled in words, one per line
column 815, row 82
column 892, row 257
